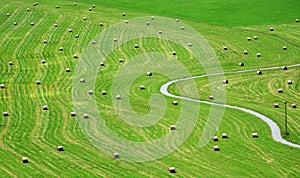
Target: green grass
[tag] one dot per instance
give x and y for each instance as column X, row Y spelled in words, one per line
column 29, row 131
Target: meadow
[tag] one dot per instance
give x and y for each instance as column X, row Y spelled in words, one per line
column 29, row 131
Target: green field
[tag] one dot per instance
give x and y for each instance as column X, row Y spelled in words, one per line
column 29, row 131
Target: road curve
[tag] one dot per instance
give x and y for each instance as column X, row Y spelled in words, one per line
column 273, row 126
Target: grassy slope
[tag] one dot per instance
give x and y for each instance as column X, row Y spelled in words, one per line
column 34, row 133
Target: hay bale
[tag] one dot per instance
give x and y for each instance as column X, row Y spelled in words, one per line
column 101, row 24
column 225, row 81
column 258, row 72
column 94, row 6
column 284, row 68
column 159, row 32
column 174, row 53
column 271, row 29
column 215, row 148
column 182, row 27
column 45, row 41
column 289, row 82
column 125, row 21
column 118, row 97
column 61, row 48
column 116, row 155
column 293, row 106
column 215, row 138
column 38, row 82
column 27, row 9
column 123, row 14
column 103, row 92
column 57, row 7
column 224, row 135
column 15, row 23
column 245, row 52
column 147, row 23
column 82, row 80
column 211, row 97
column 5, row 113
column 171, row 170
column 90, row 9
column 172, row 127
column 35, row 4
column 136, row 46
column 149, row 73
column 84, row 18
column 75, row 56
column 255, row 37
column 25, row 160
column 101, row 63
column 45, row 107
column 254, row 135
column 175, row 103
column 276, row 105
column 74, row 4
column 32, row 24
column 241, row 64
column 85, row 116
column 190, row 44
column 115, row 40
column 60, row 148
column 91, row 92
column 152, row 17
column 10, row 63
column 121, row 60
column 55, row 25
column 258, row 55
column 93, row 42
column 284, row 47
column 225, row 47
column 68, row 70
column 297, row 20
column 77, row 36
column 279, row 90
column 2, row 86
column 142, row 87
column 248, row 38
column 70, row 30
column 73, row 114
column 7, row 14
column 176, row 20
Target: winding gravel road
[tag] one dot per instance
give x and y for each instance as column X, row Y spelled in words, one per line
column 273, row 126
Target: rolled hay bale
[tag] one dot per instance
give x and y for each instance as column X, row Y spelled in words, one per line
column 73, row 114
column 289, row 82
column 215, row 148
column 101, row 63
column 60, row 148
column 77, row 36
column 94, row 6
column 258, row 55
column 45, row 107
column 248, row 38
column 147, row 23
column 27, row 9
column 93, row 42
column 45, row 41
column 275, row 105
column 284, row 47
column 74, row 4
column 175, row 103
column 284, row 68
column 279, row 90
column 32, row 24
column 15, row 23
column 174, row 53
column 136, row 46
column 121, row 60
column 60, row 48
column 10, row 63
column 125, row 21
column 55, row 25
column 190, row 44
column 116, row 155
column 70, row 30
column 149, row 73
column 2, row 86
column 25, row 160
column 91, row 92
column 152, row 17
column 259, row 72
column 172, row 127
column 225, row 47
column 115, row 40
column 75, row 56
column 255, row 37
column 211, row 97
column 118, row 97
column 82, row 80
column 68, row 70
column 103, row 92
column 254, row 135
column 38, row 82
column 293, row 105
column 101, row 24
column 271, row 29
column 160, row 32
column 5, row 113
column 182, row 27
column 241, row 64
column 7, row 14
column 171, row 170
column 57, row 7
column 245, row 52
column 123, row 14
column 215, row 138
column 297, row 20
column 225, row 135
column 85, row 116
column 142, row 87
column 225, row 81
column 176, row 20
column 35, row 4
column 90, row 9
column 84, row 18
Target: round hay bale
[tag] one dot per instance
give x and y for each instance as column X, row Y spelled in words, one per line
column 45, row 41
column 172, row 127
column 255, row 37
column 174, row 53
column 142, row 87
column 175, row 103
column 85, row 116
column 84, row 18
column 5, row 113
column 171, row 170
column 258, row 72
column 118, row 97
column 38, row 82
column 284, row 47
column 32, row 24
column 182, row 27
column 279, row 90
column 7, row 14
column 224, row 135
column 91, row 92
column 75, row 56
column 297, row 20
column 15, row 23
column 74, row 4
column 82, row 80
column 225, row 81
column 121, row 60
column 93, row 42
column 215, row 138
column 254, row 135
column 116, row 155
column 94, row 6
column 190, row 44
column 103, row 92
column 27, row 9
column 211, row 97
column 101, row 63
column 241, row 64
column 68, row 70
column 160, row 32
column 125, row 21
column 123, row 14
column 70, row 30
column 90, row 9
column 136, row 46
column 258, row 55
column 147, row 23
column 35, row 4
column 152, row 17
column 284, row 68
column 176, row 20
column 293, row 106
column 149, row 73
column 25, row 160
column 60, row 148
column 245, row 52
column 60, row 48
column 101, row 24
column 45, row 107
column 55, row 25
column 248, row 38
column 215, row 148
column 271, row 29
column 10, row 63
column 289, row 82
column 57, row 7
column 73, row 114
column 225, row 47
column 276, row 105
column 115, row 40
column 77, row 36
column 2, row 86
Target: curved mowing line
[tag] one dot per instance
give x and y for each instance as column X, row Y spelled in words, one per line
column 273, row 126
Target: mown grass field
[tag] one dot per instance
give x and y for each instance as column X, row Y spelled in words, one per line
column 32, row 132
